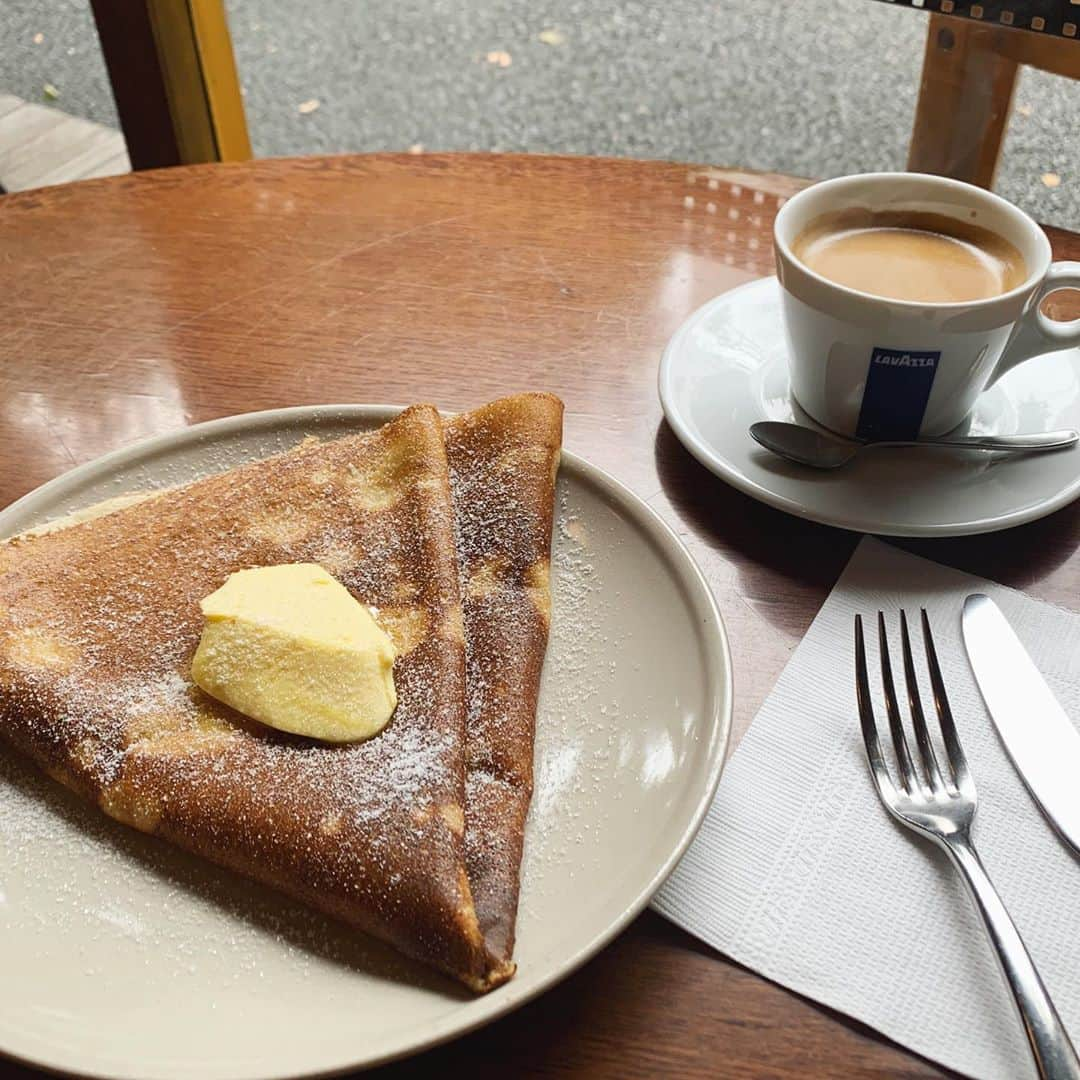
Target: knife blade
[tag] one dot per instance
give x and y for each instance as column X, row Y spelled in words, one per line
column 1042, row 741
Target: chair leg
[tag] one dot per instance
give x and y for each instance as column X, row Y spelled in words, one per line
column 965, row 99
column 174, row 78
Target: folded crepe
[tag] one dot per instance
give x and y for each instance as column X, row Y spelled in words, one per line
column 503, row 460
column 407, row 836
column 98, row 624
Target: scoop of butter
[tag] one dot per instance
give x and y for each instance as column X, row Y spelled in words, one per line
column 290, row 647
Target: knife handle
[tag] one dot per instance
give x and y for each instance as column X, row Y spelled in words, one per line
column 1055, row 1056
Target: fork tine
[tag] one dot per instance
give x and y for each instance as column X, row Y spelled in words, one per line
column 955, row 752
column 918, row 720
column 908, row 779
column 878, row 769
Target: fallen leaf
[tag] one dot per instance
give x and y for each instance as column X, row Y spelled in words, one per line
column 39, row 38
column 50, row 92
column 1051, row 179
column 500, row 58
column 1024, row 110
column 308, row 106
column 416, row 148
column 551, row 37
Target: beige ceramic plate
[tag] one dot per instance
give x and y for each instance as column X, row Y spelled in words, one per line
column 123, row 957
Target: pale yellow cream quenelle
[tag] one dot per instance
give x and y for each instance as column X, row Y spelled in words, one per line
column 290, row 647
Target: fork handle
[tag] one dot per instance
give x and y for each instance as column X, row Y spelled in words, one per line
column 1055, row 1057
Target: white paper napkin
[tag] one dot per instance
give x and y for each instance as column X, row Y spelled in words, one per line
column 799, row 874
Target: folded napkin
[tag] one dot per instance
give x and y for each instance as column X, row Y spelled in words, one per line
column 799, row 873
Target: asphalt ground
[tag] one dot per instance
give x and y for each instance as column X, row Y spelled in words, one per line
column 810, row 87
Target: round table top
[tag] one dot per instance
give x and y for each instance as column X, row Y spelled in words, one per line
column 140, row 304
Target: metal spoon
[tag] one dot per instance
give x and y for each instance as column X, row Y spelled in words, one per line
column 820, row 450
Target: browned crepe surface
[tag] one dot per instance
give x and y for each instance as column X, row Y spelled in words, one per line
column 503, row 459
column 98, row 623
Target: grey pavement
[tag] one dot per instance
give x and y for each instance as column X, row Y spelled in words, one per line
column 813, row 87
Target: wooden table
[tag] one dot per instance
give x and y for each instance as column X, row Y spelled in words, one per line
column 140, row 304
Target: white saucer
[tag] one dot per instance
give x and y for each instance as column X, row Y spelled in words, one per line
column 726, row 367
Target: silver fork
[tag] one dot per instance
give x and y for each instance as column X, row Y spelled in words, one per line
column 939, row 803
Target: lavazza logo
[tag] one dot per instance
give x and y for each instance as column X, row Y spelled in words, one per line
column 893, row 359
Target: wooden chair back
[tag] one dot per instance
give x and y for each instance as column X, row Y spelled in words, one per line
column 174, row 78
column 968, row 80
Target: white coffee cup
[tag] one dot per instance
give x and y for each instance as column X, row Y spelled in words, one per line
column 871, row 367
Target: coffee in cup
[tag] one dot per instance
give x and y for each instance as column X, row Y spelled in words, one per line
column 910, row 256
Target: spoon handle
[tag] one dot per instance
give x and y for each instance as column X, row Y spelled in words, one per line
column 1046, row 440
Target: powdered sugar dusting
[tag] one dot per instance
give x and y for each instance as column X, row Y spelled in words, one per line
column 95, row 664
column 580, row 722
column 183, row 918
column 502, row 461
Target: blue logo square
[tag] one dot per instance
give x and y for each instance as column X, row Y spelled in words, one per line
column 898, row 384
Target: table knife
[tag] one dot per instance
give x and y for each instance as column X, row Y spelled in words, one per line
column 1042, row 741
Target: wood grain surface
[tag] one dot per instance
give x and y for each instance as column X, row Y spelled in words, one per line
column 140, row 304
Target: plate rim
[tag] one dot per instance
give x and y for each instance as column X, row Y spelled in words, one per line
column 719, row 683
column 721, row 466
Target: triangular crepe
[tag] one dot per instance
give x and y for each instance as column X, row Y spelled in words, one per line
column 98, row 623
column 503, row 459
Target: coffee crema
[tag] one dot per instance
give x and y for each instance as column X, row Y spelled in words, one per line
column 910, row 256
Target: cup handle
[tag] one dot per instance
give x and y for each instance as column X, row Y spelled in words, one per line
column 1035, row 333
